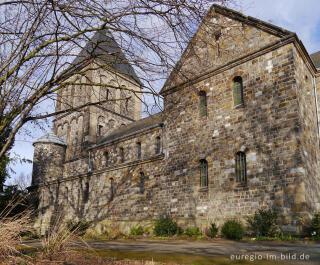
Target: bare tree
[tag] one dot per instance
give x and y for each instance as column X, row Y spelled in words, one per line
column 40, row 41
column 22, row 181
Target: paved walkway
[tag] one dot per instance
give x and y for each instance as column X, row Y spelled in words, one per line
column 291, row 253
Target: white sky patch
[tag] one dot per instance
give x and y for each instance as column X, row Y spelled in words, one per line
column 301, row 17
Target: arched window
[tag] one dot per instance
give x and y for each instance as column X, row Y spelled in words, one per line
column 86, row 193
column 203, row 103
column 158, row 145
column 141, row 182
column 122, row 155
column 111, row 189
column 203, row 173
column 139, row 150
column 106, row 155
column 67, row 194
column 241, row 167
column 100, row 129
column 237, row 91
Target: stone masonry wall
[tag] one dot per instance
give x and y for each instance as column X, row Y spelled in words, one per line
column 48, row 162
column 219, row 40
column 267, row 128
column 83, row 195
column 308, row 194
column 276, row 128
column 80, row 127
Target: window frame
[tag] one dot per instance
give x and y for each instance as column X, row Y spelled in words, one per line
column 238, row 97
column 203, row 105
column 100, row 128
column 121, row 155
column 111, row 189
column 158, row 145
column 204, row 181
column 139, row 152
column 241, row 167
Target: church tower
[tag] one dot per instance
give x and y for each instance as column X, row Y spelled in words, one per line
column 98, row 109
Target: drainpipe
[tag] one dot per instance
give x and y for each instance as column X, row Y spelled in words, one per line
column 316, row 102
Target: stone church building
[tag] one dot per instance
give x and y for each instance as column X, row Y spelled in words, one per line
column 239, row 132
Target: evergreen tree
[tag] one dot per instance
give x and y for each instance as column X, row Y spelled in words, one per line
column 4, row 161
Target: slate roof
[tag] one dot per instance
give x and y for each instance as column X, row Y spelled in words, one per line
column 51, row 138
column 315, row 57
column 132, row 128
column 104, row 49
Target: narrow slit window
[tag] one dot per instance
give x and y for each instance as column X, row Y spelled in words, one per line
column 86, row 193
column 158, row 145
column 67, row 194
column 139, row 150
column 141, row 183
column 241, row 167
column 111, row 189
column 106, row 155
column 122, row 155
column 100, row 129
column 203, row 103
column 238, row 91
column 203, row 173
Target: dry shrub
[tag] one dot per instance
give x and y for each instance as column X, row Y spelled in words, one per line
column 11, row 228
column 57, row 242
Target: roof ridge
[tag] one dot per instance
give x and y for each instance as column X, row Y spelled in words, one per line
column 240, row 16
column 260, row 24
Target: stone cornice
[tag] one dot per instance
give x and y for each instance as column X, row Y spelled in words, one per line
column 100, row 171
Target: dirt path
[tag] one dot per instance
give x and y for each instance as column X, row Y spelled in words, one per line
column 291, row 253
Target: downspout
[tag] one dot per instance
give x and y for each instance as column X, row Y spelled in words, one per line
column 316, row 102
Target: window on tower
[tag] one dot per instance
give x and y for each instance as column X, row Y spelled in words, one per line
column 100, row 130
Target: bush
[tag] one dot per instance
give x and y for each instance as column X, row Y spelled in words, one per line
column 79, row 227
column 136, row 231
column 180, row 231
column 264, row 223
column 192, row 231
column 313, row 230
column 232, row 229
column 165, row 227
column 212, row 230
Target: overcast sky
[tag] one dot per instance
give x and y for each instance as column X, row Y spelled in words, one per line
column 302, row 17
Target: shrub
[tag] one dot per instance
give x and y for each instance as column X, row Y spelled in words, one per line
column 180, row 231
column 212, row 230
column 136, row 231
column 192, row 231
column 165, row 227
column 79, row 227
column 10, row 230
column 232, row 229
column 264, row 223
column 313, row 229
